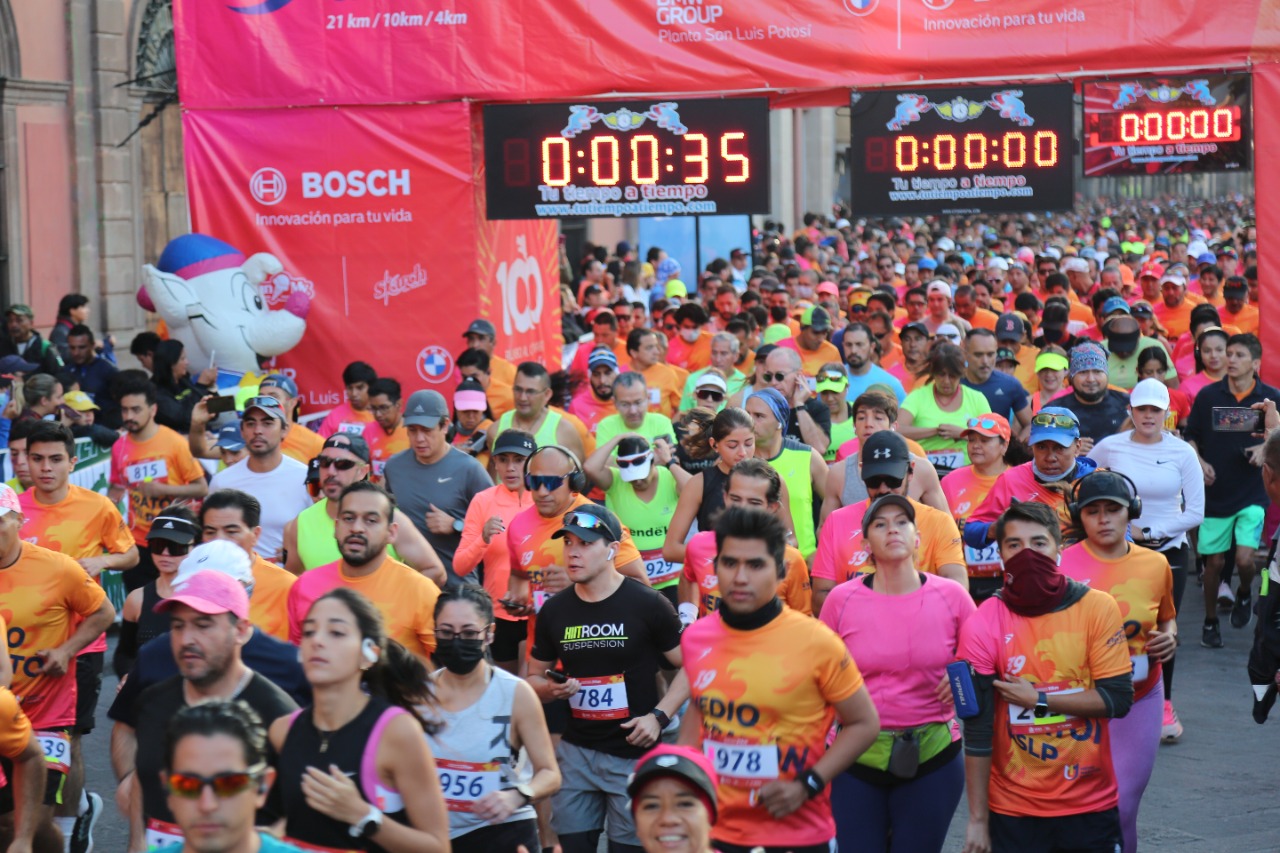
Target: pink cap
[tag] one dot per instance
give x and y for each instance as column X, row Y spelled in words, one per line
column 9, row 501
column 470, row 401
column 210, row 592
column 829, row 287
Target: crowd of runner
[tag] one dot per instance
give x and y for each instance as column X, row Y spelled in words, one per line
column 797, row 550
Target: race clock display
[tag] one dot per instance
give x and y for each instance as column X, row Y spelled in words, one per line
column 626, row 158
column 1167, row 125
column 961, row 150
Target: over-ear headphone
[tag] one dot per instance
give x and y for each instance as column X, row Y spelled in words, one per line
column 369, row 650
column 1135, row 502
column 577, row 478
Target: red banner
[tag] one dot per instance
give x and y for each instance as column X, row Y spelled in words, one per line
column 372, row 209
column 313, row 52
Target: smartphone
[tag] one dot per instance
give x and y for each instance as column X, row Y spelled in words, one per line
column 556, row 676
column 220, row 404
column 1237, row 419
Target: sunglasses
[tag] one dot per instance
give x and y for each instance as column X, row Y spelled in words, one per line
column 880, row 482
column 1064, row 421
column 712, row 395
column 831, row 376
column 587, row 521
column 775, row 377
column 550, row 482
column 981, row 423
column 631, row 461
column 340, row 464
column 190, row 786
column 162, row 546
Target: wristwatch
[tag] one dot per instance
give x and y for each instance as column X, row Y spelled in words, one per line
column 662, row 718
column 525, row 791
column 813, row 783
column 368, row 825
column 1042, row 705
column 457, row 525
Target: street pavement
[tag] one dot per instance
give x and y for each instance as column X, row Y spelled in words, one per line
column 1214, row 792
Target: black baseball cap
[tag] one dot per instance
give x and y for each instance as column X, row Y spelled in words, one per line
column 481, row 327
column 591, row 522
column 514, row 441
column 1009, row 328
column 1122, row 335
column 885, row 454
column 350, row 443
column 174, row 529
column 915, row 327
column 886, row 501
column 1103, row 486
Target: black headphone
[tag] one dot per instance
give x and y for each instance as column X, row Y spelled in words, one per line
column 577, row 478
column 1135, row 501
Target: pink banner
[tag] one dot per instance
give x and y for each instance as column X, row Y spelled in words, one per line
column 256, row 53
column 372, row 210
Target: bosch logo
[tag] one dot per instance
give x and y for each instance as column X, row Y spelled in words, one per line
column 860, row 7
column 356, row 183
column 268, row 186
column 435, row 364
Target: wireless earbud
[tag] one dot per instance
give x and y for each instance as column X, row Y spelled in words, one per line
column 370, row 651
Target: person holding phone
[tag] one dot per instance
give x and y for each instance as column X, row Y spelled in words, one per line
column 1235, row 499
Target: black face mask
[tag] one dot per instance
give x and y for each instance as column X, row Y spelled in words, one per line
column 459, row 656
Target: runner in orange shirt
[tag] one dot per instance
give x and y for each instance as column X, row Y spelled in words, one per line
column 21, row 795
column 484, row 539
column 987, row 440
column 234, row 516
column 482, row 336
column 690, row 349
column 386, row 435
column 87, row 527
column 153, row 465
column 764, row 720
column 812, row 341
column 1050, row 667
column 663, row 383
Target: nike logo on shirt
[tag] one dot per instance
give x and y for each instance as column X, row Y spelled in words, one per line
column 443, row 479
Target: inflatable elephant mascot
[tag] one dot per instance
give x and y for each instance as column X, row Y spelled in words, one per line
column 211, row 299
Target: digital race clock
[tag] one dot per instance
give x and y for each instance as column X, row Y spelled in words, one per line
column 961, row 150
column 626, row 158
column 1167, row 125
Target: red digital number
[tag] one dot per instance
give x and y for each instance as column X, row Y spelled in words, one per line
column 744, row 164
column 698, row 158
column 515, row 162
column 552, row 162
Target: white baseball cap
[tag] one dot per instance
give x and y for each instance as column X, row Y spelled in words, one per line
column 1150, row 392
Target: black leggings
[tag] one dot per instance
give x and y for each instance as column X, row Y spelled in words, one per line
column 503, row 838
column 1180, row 561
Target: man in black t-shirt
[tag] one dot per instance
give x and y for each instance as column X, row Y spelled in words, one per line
column 1101, row 410
column 209, row 623
column 610, row 634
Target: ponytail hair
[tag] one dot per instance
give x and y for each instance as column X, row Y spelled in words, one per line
column 398, row 676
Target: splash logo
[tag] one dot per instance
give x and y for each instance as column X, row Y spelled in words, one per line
column 266, row 7
column 268, row 186
column 435, row 364
column 860, row 7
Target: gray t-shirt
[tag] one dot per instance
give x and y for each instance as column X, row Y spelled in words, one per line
column 449, row 485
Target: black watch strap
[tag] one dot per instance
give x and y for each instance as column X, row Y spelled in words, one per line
column 813, row 783
column 662, row 718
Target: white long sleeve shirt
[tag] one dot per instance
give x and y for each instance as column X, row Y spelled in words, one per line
column 1169, row 478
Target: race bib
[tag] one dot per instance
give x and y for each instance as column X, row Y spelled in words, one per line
column 141, row 472
column 57, row 750
column 1024, row 718
column 983, row 563
column 601, row 698
column 746, row 765
column 1141, row 667
column 379, row 465
column 352, row 429
column 655, row 396
column 539, row 598
column 945, row 458
column 464, row 782
column 657, row 568
column 161, row 834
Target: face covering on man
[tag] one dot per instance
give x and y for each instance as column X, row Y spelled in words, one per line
column 690, row 335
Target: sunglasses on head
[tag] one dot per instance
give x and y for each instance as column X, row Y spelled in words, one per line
column 775, row 377
column 831, row 376
column 881, row 482
column 981, row 423
column 162, row 546
column 190, row 786
column 340, row 464
column 550, row 482
column 710, row 394
column 1064, row 421
column 630, row 461
column 587, row 521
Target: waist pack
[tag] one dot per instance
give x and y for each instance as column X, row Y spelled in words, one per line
column 900, row 753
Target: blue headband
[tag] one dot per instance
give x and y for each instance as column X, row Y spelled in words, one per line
column 776, row 402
